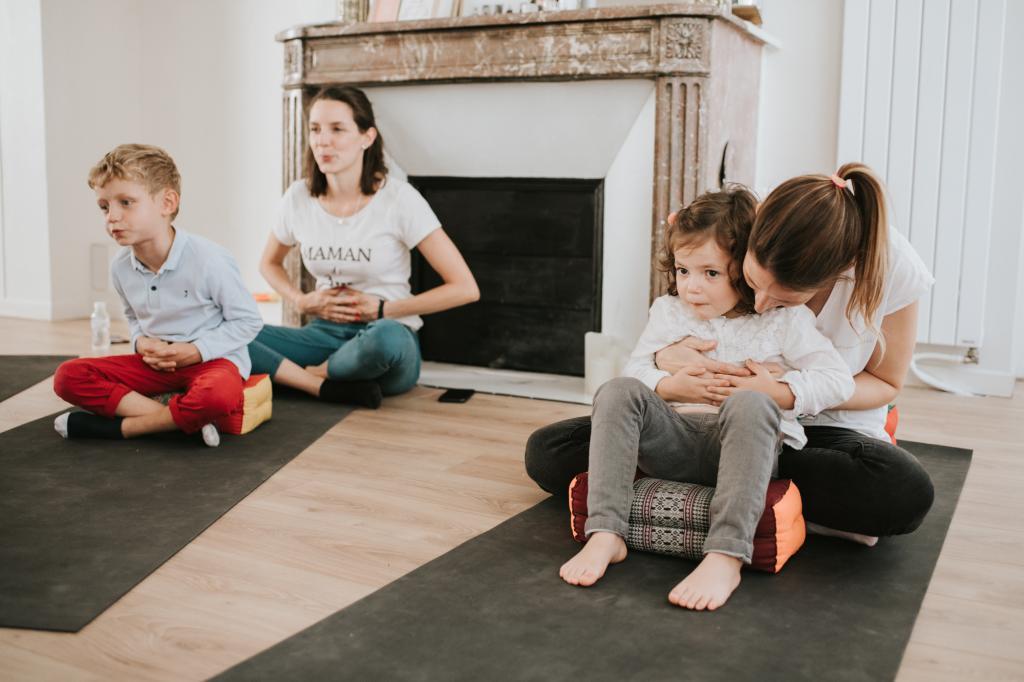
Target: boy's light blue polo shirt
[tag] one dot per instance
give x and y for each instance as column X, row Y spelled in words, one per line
column 196, row 297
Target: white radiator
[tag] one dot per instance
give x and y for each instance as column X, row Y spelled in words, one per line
column 919, row 104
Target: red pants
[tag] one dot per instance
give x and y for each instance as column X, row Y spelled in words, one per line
column 212, row 389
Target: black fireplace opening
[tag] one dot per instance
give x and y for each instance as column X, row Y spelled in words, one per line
column 534, row 246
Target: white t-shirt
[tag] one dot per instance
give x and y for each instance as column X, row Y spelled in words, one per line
column 906, row 281
column 368, row 251
column 815, row 373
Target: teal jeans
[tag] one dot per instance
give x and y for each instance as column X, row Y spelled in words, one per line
column 384, row 351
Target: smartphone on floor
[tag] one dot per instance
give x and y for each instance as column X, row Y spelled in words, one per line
column 456, row 395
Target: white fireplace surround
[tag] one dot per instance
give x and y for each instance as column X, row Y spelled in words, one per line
column 578, row 129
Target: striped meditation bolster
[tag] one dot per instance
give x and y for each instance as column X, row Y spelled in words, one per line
column 672, row 518
column 256, row 408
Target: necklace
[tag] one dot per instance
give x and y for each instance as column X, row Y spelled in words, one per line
column 341, row 213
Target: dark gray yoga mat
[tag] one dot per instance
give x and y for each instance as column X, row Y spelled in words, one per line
column 18, row 372
column 495, row 609
column 84, row 521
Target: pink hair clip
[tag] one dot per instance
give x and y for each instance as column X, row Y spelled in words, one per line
column 842, row 183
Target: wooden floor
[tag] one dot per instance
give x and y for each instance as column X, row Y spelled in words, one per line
column 386, row 491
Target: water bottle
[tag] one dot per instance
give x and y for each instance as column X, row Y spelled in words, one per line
column 99, row 321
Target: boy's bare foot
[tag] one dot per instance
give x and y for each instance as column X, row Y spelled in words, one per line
column 589, row 564
column 318, row 370
column 710, row 584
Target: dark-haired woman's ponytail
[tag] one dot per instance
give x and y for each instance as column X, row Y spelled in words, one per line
column 868, row 195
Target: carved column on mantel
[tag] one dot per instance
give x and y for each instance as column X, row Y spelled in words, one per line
column 294, row 145
column 679, row 148
column 696, row 54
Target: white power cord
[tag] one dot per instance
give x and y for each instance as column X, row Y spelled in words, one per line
column 934, row 381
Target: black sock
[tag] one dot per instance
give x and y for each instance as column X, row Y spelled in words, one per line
column 86, row 425
column 365, row 393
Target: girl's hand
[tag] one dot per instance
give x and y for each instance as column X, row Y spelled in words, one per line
column 762, row 380
column 692, row 384
column 690, row 351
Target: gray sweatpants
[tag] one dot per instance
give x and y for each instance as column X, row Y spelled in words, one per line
column 736, row 451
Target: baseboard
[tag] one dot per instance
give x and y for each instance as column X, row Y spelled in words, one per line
column 71, row 310
column 33, row 310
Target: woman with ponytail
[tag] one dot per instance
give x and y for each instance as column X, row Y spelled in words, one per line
column 354, row 226
column 824, row 242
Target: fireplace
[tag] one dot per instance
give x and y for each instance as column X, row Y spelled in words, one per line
column 534, row 246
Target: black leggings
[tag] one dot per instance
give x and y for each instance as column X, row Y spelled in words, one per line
column 847, row 480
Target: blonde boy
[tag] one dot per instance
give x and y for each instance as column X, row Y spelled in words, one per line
column 191, row 316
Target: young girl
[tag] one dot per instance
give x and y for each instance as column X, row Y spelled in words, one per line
column 736, row 449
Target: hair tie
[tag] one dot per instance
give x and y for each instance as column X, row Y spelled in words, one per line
column 842, row 183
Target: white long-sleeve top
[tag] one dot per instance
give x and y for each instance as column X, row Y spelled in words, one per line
column 816, row 373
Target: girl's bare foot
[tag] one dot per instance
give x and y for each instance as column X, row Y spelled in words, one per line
column 589, row 564
column 318, row 370
column 710, row 584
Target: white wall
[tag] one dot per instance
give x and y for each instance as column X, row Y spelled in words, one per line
column 199, row 78
column 212, row 98
column 24, row 244
column 799, row 109
column 92, row 104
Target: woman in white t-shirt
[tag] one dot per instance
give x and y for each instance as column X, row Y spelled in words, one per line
column 354, row 226
column 824, row 242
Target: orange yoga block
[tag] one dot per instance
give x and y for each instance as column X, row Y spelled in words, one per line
column 668, row 517
column 257, row 407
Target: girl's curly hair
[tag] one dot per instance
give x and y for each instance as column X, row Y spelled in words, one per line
column 726, row 216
